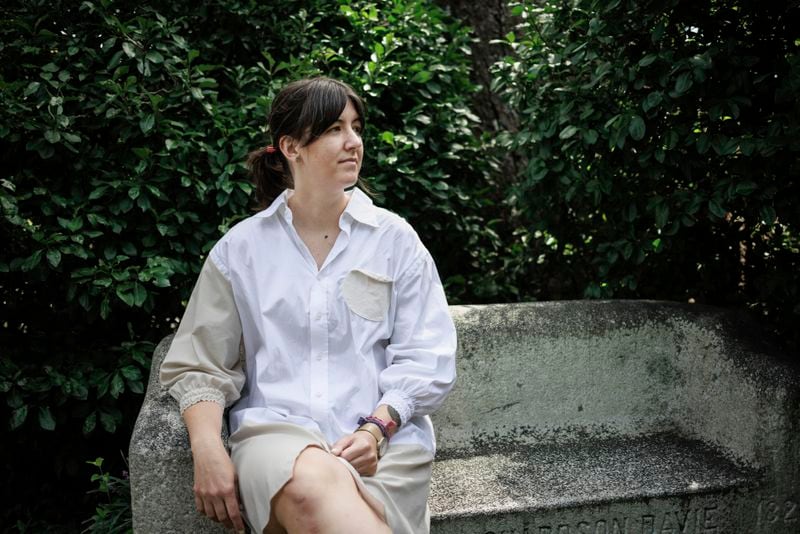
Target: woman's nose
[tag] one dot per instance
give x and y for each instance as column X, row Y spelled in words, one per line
column 353, row 140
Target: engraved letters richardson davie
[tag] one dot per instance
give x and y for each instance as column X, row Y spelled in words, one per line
column 702, row 520
column 771, row 514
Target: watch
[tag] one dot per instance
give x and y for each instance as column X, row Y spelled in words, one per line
column 376, row 433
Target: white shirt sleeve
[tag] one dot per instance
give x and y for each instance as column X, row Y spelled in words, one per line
column 421, row 352
column 203, row 362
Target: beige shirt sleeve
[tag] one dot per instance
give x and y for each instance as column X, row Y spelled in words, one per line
column 203, row 362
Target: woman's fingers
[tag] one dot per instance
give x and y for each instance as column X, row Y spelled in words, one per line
column 233, row 512
column 343, row 443
column 361, row 452
column 215, row 487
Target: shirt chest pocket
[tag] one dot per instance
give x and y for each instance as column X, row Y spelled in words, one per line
column 367, row 294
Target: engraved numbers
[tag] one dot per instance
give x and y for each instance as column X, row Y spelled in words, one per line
column 771, row 511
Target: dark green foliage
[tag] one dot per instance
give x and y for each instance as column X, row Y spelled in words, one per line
column 113, row 513
column 123, row 131
column 662, row 144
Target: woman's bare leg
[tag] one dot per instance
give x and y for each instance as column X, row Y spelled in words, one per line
column 322, row 497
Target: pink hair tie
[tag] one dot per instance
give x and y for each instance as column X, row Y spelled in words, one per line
column 269, row 149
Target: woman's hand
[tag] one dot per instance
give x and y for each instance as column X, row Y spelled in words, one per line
column 215, row 485
column 360, row 449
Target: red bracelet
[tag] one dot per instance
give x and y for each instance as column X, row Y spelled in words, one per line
column 387, row 427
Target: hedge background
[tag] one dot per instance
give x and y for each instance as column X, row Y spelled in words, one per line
column 657, row 145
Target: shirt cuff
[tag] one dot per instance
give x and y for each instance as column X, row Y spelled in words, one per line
column 401, row 402
column 195, row 395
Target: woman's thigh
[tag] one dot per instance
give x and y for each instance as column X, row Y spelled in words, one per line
column 264, row 458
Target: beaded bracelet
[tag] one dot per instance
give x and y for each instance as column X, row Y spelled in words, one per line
column 380, row 423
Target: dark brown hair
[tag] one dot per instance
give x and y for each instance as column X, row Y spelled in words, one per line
column 303, row 110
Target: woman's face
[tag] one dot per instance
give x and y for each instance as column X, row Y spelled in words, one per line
column 334, row 159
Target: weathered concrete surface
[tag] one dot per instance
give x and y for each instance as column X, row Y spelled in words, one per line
column 559, row 379
column 161, row 464
column 574, row 417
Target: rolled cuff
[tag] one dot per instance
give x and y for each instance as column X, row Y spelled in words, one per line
column 200, row 394
column 401, row 402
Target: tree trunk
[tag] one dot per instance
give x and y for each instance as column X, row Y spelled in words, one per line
column 489, row 20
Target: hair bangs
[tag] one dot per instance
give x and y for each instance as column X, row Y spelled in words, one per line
column 323, row 105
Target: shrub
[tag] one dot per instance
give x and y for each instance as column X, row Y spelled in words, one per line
column 124, row 127
column 662, row 147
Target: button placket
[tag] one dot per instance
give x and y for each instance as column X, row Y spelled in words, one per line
column 318, row 364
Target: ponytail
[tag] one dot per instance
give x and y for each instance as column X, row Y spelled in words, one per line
column 270, row 174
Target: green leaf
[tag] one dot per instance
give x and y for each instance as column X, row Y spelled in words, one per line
column 32, row 88
column 567, row 132
column 89, row 424
column 683, row 83
column 636, row 128
column 724, row 145
column 126, row 296
column 54, row 257
column 18, row 417
column 147, row 122
column 661, row 214
column 702, row 143
column 52, row 136
column 590, row 137
column 139, row 294
column 651, row 100
column 768, row 214
column 647, row 60
column 745, row 188
column 422, row 76
column 98, row 192
column 128, row 49
column 131, row 372
column 108, row 422
column 716, row 208
column 46, row 420
column 105, row 308
column 128, row 248
column 154, row 57
column 117, row 385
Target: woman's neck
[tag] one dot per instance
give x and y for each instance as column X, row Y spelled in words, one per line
column 317, row 210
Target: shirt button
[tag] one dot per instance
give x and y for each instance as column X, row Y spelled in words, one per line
column 318, row 394
column 319, row 357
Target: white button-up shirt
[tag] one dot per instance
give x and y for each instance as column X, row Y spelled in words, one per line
column 322, row 346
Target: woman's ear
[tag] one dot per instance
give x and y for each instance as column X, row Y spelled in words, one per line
column 290, row 148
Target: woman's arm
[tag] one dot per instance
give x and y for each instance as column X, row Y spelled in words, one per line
column 204, row 374
column 215, row 483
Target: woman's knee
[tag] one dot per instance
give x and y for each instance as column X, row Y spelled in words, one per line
column 316, row 474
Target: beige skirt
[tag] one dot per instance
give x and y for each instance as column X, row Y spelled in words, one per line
column 264, row 456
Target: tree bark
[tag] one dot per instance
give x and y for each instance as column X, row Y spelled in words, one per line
column 489, row 20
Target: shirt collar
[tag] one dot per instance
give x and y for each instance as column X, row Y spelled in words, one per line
column 360, row 207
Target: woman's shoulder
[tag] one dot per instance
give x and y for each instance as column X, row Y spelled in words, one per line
column 240, row 237
column 407, row 246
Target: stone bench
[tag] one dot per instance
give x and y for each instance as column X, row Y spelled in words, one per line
column 581, row 417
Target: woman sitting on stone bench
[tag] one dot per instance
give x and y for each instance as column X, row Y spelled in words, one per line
column 347, row 339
